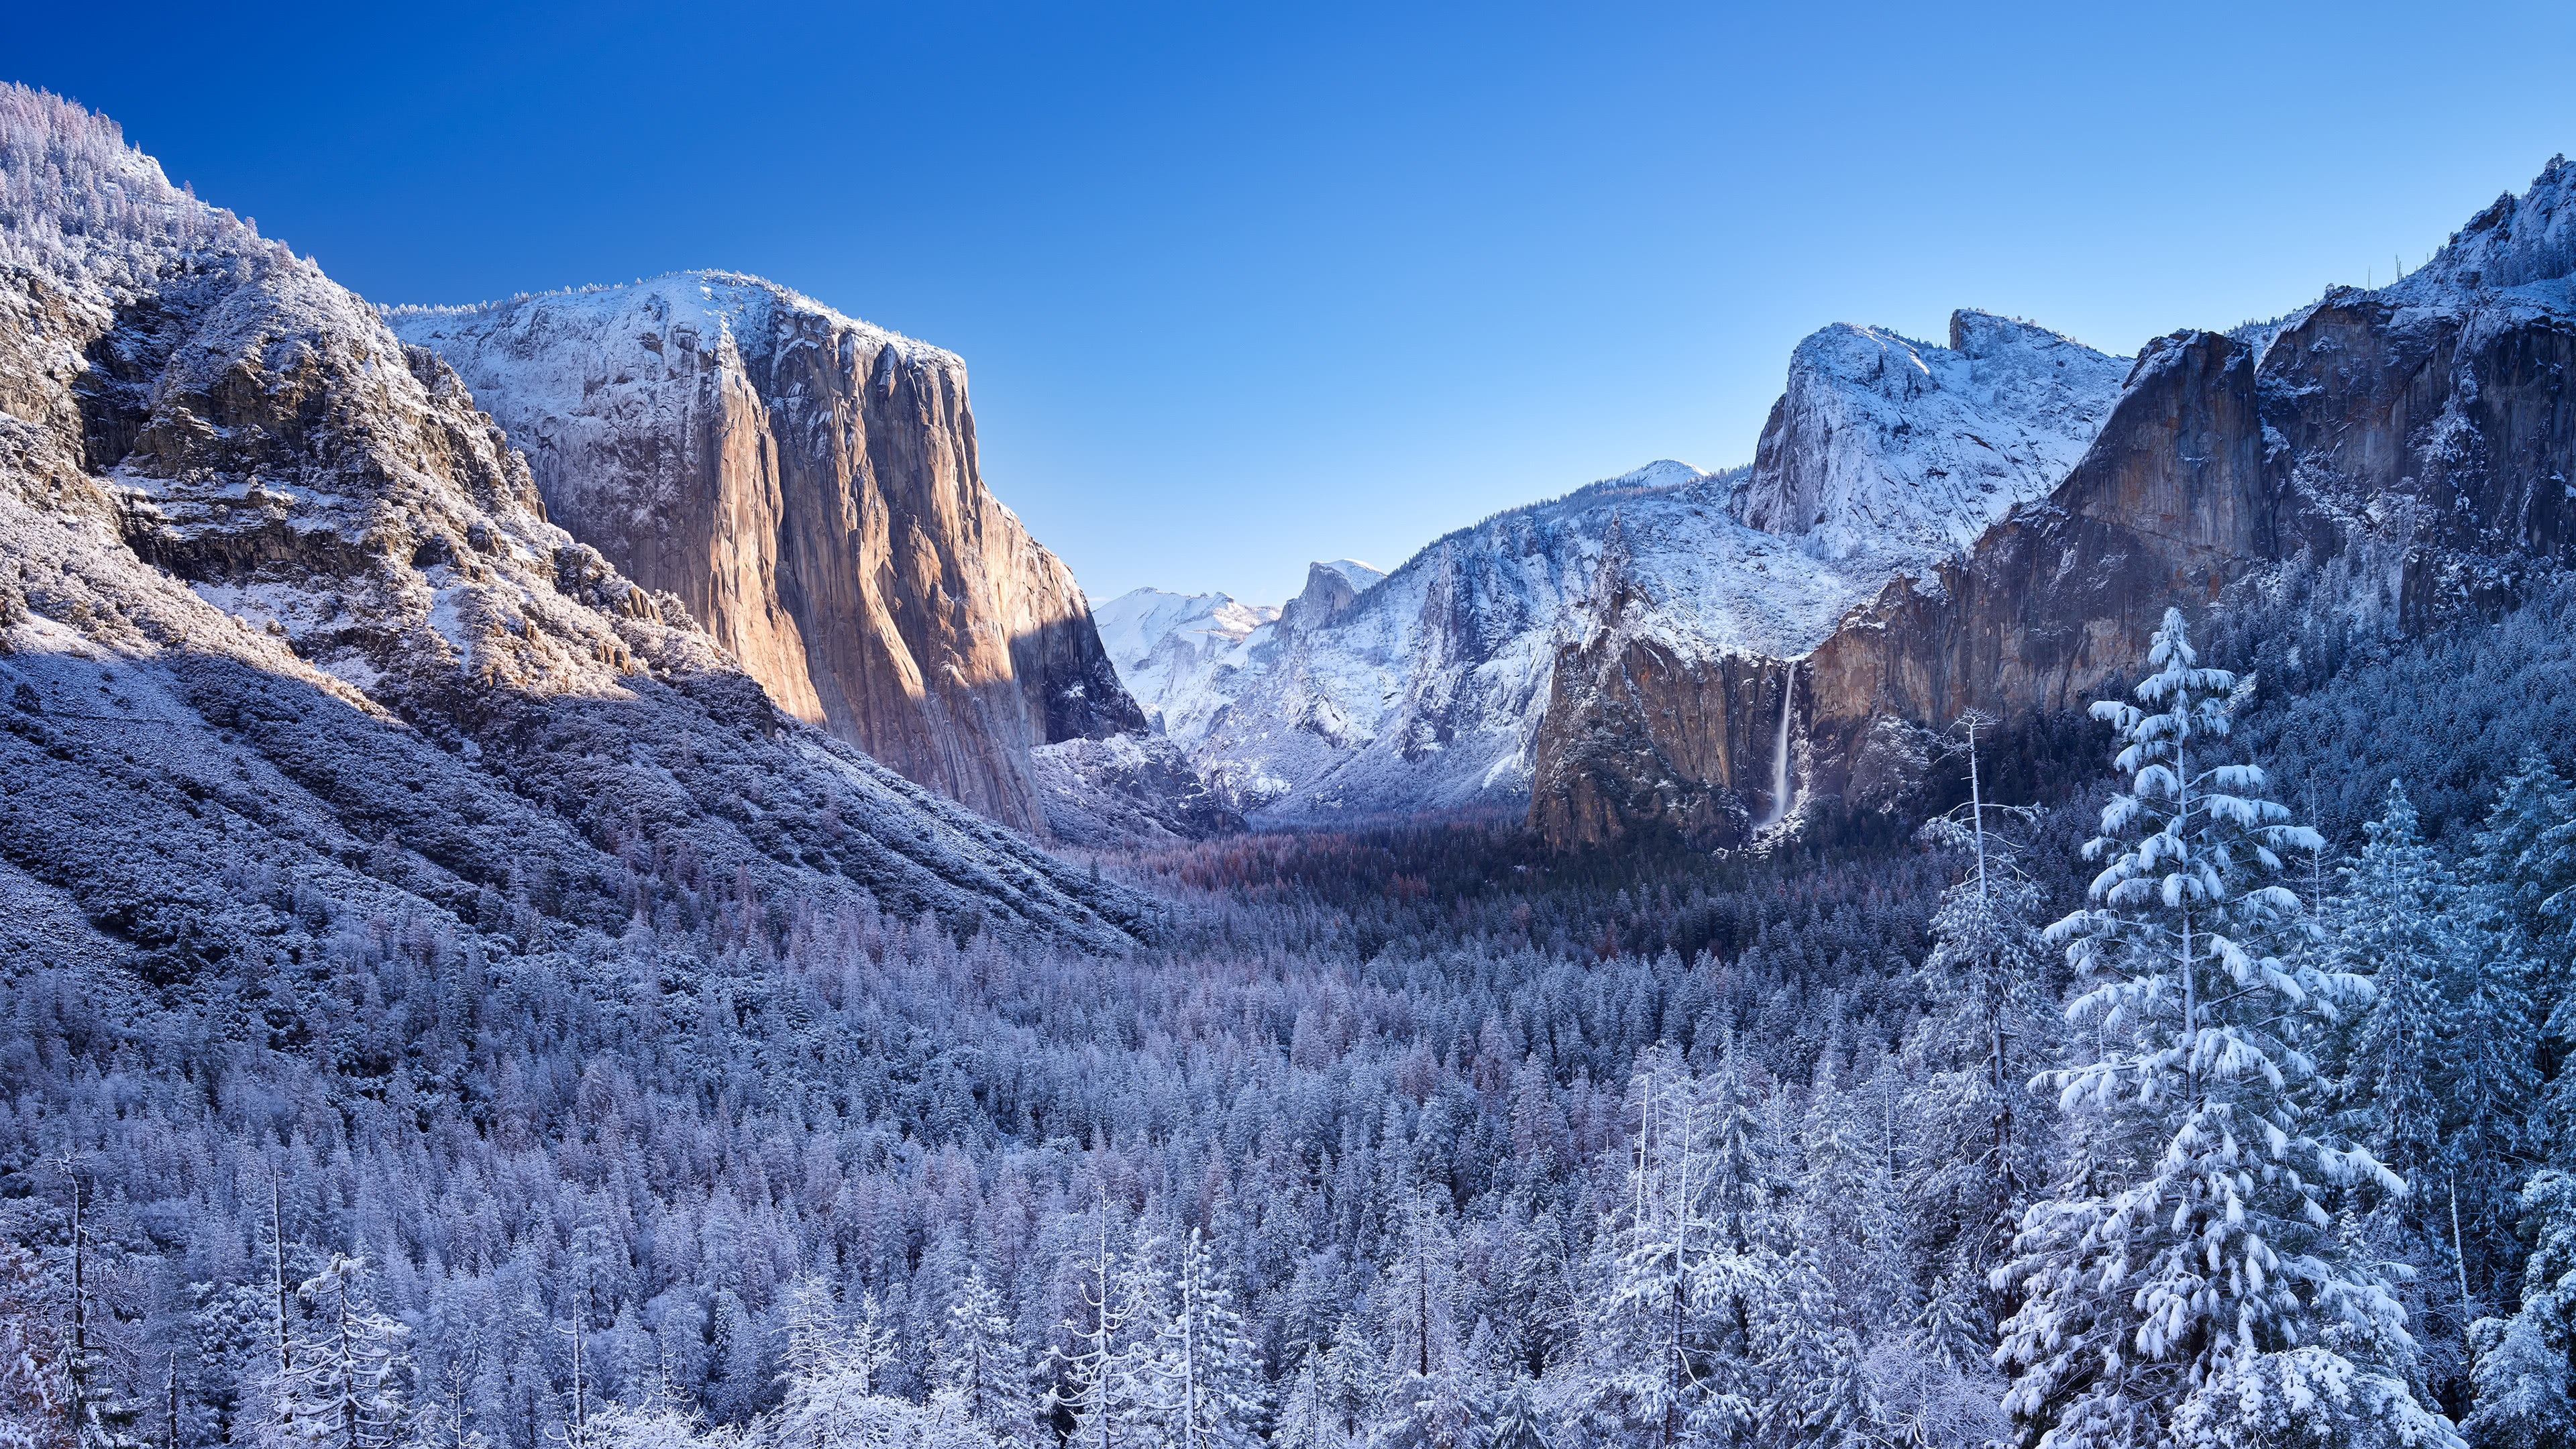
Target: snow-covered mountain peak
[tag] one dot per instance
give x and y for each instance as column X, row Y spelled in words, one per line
column 656, row 320
column 1134, row 623
column 1884, row 443
column 2516, row 241
column 1357, row 574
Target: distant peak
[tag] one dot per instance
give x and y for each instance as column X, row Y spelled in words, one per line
column 2516, row 240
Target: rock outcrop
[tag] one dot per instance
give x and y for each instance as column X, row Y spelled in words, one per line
column 807, row 486
column 285, row 635
column 1881, row 443
column 2403, row 454
column 1127, row 791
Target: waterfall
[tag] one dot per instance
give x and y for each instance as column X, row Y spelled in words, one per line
column 1780, row 755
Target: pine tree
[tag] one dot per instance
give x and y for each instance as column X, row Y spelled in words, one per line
column 35, row 1401
column 1666, row 1343
column 1092, row 1373
column 345, row 1384
column 100, row 1417
column 979, row 1361
column 2439, row 1076
column 1433, row 1393
column 1199, row 1373
column 1809, row 1366
column 2188, row 1241
column 2525, row 1379
column 2525, row 878
column 832, row 1398
column 1982, row 1130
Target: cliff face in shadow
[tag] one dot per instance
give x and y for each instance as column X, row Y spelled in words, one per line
column 807, row 485
column 2404, row 454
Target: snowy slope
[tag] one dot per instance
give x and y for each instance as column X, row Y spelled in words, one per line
column 1882, row 443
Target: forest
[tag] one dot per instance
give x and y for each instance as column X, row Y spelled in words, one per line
column 2188, row 1072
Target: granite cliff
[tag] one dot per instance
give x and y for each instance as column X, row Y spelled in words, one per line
column 807, row 486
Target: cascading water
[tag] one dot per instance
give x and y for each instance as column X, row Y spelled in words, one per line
column 1780, row 755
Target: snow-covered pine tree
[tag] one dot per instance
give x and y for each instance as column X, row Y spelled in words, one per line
column 1200, row 1373
column 1432, row 1394
column 1849, row 1191
column 1092, row 1382
column 2525, row 881
column 34, row 1400
column 1810, row 1390
column 1516, row 1424
column 1987, row 1031
column 2525, row 1383
column 101, row 1417
column 347, row 1377
column 979, row 1361
column 1667, row 1352
column 2439, row 1076
column 832, row 1400
column 2527, row 848
column 1308, row 1418
column 2188, row 1243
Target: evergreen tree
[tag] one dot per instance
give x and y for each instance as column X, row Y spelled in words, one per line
column 981, row 1363
column 2440, row 1072
column 1433, row 1393
column 1094, row 1383
column 1668, row 1345
column 345, row 1384
column 2525, row 875
column 1199, row 1372
column 2188, row 1239
column 1983, row 1133
column 832, row 1398
column 2526, row 1367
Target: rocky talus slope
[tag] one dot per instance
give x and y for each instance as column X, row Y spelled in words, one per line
column 2402, row 455
column 807, row 485
column 289, row 647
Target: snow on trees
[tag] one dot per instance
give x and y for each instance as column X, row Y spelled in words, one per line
column 2189, row 1239
column 341, row 1383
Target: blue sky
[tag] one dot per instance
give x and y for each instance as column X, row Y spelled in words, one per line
column 1245, row 285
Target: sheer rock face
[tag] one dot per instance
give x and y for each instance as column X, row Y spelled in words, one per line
column 807, row 486
column 2404, row 454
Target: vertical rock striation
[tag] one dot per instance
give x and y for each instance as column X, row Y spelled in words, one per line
column 807, row 485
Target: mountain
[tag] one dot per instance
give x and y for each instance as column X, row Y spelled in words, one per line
column 1885, row 443
column 807, row 485
column 2398, row 456
column 289, row 646
column 1165, row 644
column 1514, row 654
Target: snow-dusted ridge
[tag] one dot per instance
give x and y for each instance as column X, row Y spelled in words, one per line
column 1426, row 689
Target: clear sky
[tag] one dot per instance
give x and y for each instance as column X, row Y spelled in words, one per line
column 1243, row 285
